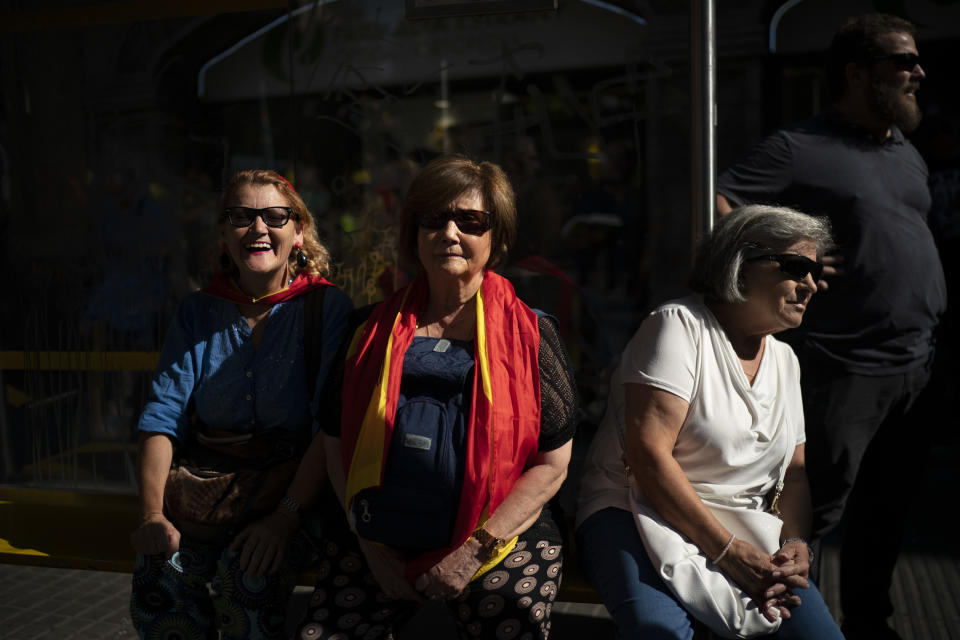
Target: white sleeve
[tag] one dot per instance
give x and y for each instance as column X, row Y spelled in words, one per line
column 796, row 403
column 664, row 352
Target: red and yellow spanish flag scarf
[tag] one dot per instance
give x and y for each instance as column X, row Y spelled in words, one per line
column 227, row 289
column 503, row 425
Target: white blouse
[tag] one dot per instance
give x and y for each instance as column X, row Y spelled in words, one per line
column 736, row 438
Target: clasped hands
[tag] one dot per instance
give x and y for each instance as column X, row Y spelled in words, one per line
column 768, row 579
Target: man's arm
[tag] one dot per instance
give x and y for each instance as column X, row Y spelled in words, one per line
column 723, row 206
column 760, row 178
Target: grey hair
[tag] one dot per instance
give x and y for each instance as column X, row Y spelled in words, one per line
column 749, row 231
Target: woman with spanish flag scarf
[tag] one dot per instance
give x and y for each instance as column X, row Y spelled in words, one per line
column 230, row 415
column 457, row 417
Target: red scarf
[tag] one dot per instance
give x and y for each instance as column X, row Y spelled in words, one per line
column 503, row 425
column 225, row 288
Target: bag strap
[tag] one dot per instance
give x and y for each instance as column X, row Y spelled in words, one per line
column 313, row 335
column 774, row 506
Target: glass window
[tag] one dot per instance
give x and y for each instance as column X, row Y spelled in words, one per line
column 117, row 136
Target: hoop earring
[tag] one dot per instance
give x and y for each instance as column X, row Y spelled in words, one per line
column 301, row 258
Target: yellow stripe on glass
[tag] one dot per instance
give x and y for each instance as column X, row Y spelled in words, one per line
column 78, row 360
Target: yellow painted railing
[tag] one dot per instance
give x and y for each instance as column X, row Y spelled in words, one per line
column 78, row 360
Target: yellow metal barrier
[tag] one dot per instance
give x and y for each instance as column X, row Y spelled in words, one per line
column 67, row 529
column 79, row 360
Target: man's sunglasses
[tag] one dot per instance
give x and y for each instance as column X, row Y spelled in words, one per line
column 795, row 266
column 275, row 217
column 903, row 61
column 470, row 221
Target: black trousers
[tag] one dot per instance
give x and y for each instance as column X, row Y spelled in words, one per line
column 867, row 439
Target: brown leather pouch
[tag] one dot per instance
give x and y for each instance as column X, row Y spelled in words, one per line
column 222, row 482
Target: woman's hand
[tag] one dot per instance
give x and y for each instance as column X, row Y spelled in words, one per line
column 155, row 535
column 447, row 579
column 263, row 544
column 832, row 267
column 793, row 558
column 757, row 574
column 793, row 566
column 387, row 566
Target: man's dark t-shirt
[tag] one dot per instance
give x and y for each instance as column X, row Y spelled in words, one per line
column 878, row 317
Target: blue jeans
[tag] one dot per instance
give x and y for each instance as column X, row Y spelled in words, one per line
column 642, row 606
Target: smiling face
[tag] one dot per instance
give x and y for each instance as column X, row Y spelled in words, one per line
column 261, row 253
column 776, row 301
column 448, row 252
column 893, row 84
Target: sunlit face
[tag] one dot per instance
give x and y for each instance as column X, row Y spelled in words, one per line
column 260, row 251
column 893, row 84
column 775, row 300
column 451, row 253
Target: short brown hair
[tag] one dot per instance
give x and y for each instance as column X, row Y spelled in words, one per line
column 858, row 41
column 318, row 257
column 444, row 180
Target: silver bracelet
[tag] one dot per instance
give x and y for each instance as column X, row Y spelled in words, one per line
column 289, row 506
column 726, row 548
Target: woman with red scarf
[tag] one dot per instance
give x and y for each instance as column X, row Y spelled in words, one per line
column 457, row 414
column 230, row 414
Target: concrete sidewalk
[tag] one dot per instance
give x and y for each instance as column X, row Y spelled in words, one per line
column 40, row 603
column 37, row 602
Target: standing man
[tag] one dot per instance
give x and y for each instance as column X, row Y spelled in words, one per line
column 866, row 343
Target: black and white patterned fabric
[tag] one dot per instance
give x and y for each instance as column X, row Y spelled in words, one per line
column 511, row 601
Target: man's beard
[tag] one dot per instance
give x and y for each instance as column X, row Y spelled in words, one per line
column 892, row 104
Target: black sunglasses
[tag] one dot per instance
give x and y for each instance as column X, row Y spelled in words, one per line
column 471, row 221
column 275, row 217
column 903, row 61
column 795, row 266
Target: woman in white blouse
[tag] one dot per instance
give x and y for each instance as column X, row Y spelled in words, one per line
column 703, row 437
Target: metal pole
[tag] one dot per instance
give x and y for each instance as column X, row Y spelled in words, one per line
column 703, row 79
column 6, row 456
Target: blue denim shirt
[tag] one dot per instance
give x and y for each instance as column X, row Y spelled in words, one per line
column 208, row 364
